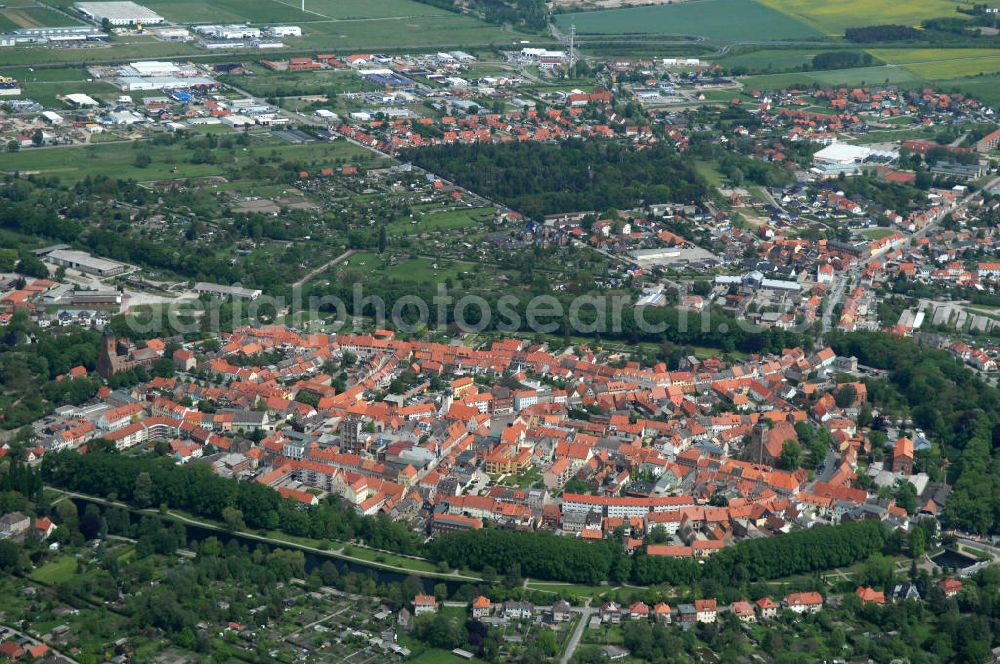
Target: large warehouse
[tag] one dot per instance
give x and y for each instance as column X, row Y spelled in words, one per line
column 118, row 13
column 84, row 262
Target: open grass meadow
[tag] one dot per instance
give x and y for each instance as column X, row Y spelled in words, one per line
column 831, row 18
column 769, row 59
column 438, row 31
column 168, row 161
column 452, row 220
column 985, row 89
column 15, row 15
column 721, row 20
column 938, row 64
column 6, row 24
column 58, row 571
column 47, row 92
column 289, row 83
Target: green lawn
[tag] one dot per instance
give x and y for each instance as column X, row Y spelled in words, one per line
column 438, row 656
column 169, row 161
column 60, row 570
column 453, row 220
column 724, row 20
column 709, row 172
column 286, row 84
column 877, row 233
column 47, row 92
column 764, row 59
column 940, row 63
column 569, row 589
column 390, row 559
column 32, row 15
column 856, row 76
column 54, row 74
column 985, row 89
column 6, row 25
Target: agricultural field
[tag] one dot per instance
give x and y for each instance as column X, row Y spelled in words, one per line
column 32, row 15
column 31, row 56
column 45, row 85
column 938, row 63
column 769, row 59
column 856, row 76
column 832, row 18
column 721, row 20
column 985, row 89
column 416, row 30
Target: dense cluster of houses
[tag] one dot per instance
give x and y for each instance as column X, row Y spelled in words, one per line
column 391, row 135
column 690, row 453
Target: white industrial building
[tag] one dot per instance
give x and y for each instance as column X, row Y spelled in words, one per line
column 158, row 75
column 118, row 13
column 84, row 262
column 235, row 31
column 133, row 83
column 150, row 68
column 237, row 121
column 174, row 34
column 80, row 100
column 539, row 53
column 838, row 158
column 285, row 31
column 236, row 292
column 52, row 117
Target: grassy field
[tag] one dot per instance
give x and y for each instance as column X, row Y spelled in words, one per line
column 47, row 92
column 32, row 15
column 832, row 18
column 764, row 59
column 280, row 84
column 569, row 589
column 437, row 656
column 440, row 221
column 938, row 63
column 876, row 233
column 173, row 161
column 390, row 559
column 58, row 571
column 54, row 75
column 723, row 20
column 983, row 88
column 857, row 76
column 6, row 24
column 31, row 56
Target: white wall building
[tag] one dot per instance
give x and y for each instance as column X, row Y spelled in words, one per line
column 118, row 13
